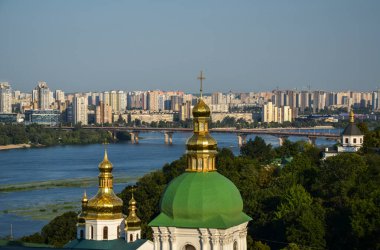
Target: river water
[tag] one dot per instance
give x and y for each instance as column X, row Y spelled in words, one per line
column 50, row 181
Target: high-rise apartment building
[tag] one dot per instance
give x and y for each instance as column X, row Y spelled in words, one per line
column 376, row 100
column 271, row 113
column 42, row 96
column 5, row 98
column 59, row 95
column 121, row 101
column 103, row 113
column 80, row 110
column 217, row 98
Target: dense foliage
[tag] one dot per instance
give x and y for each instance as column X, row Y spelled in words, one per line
column 58, row 232
column 40, row 135
column 304, row 204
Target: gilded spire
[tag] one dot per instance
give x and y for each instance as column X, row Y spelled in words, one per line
column 105, row 175
column 352, row 116
column 132, row 222
column 201, row 147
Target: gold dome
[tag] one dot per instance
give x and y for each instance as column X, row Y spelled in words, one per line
column 105, row 204
column 132, row 222
column 201, row 142
column 201, row 109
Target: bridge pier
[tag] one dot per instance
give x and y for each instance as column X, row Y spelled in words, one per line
column 312, row 139
column 281, row 140
column 134, row 137
column 168, row 137
column 242, row 139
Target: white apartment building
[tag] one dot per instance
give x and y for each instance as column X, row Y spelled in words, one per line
column 80, row 110
column 5, row 98
column 271, row 113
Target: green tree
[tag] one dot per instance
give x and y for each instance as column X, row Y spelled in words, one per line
column 60, row 230
column 258, row 150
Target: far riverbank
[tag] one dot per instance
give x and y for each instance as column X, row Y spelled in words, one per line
column 14, row 146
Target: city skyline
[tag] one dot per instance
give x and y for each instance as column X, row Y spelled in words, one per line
column 245, row 46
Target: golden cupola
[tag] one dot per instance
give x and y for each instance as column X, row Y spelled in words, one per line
column 105, row 204
column 132, row 222
column 201, row 147
column 352, row 116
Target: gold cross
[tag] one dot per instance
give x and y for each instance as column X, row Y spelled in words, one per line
column 201, row 78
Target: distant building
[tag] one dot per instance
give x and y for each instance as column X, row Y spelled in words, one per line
column 59, row 95
column 220, row 116
column 103, row 113
column 271, row 113
column 42, row 96
column 10, row 118
column 5, row 98
column 352, row 140
column 80, row 110
column 43, row 117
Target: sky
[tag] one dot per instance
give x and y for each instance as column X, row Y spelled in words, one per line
column 93, row 45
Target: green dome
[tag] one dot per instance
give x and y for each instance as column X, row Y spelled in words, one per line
column 201, row 200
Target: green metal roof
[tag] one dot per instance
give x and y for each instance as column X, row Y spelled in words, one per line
column 119, row 244
column 201, row 200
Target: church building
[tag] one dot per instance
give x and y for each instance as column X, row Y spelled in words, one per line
column 351, row 141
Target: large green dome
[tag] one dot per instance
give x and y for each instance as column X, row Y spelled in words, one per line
column 201, row 200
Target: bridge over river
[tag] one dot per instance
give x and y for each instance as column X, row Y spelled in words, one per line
column 281, row 133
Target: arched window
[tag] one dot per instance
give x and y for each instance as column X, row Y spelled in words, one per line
column 130, row 238
column 137, row 236
column 188, row 247
column 81, row 234
column 346, row 140
column 92, row 232
column 105, row 233
column 235, row 245
column 361, row 140
column 118, row 231
column 354, row 140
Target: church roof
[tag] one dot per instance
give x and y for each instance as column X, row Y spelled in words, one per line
column 201, row 200
column 352, row 129
column 119, row 244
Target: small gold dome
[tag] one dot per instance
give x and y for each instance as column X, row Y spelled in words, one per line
column 132, row 222
column 201, row 109
column 352, row 116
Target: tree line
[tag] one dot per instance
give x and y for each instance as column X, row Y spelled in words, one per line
column 39, row 135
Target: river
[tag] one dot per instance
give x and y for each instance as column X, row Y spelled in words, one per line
column 38, row 184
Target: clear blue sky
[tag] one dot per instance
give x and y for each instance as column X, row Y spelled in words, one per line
column 162, row 44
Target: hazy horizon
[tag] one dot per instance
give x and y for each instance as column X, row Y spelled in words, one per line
column 242, row 46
